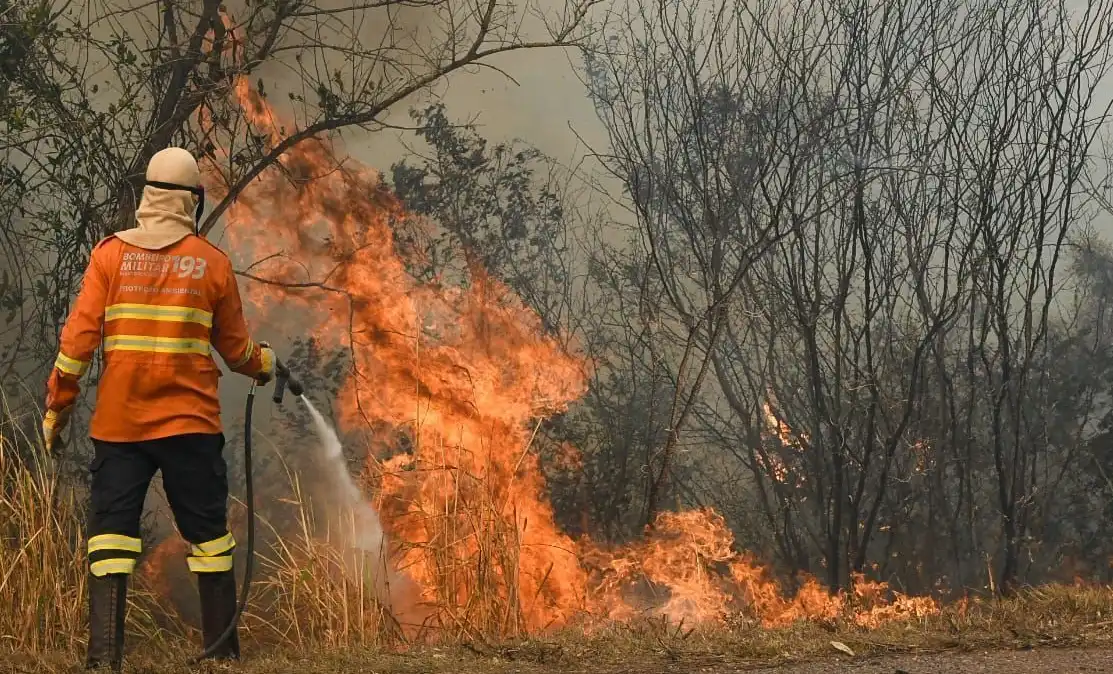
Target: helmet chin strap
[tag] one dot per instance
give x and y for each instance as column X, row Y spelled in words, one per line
column 199, row 191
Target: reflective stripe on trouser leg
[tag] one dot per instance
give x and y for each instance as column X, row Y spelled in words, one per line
column 113, row 553
column 213, row 556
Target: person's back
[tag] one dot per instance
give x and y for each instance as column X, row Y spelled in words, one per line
column 158, row 299
column 163, row 313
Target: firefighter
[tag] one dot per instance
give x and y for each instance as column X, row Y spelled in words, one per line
column 160, row 299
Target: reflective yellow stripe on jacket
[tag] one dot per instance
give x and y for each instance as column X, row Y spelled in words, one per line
column 247, row 354
column 71, row 365
column 155, row 312
column 157, row 344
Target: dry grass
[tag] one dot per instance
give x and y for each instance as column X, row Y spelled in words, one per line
column 309, row 616
column 468, row 551
column 311, row 594
column 40, row 528
column 1060, row 616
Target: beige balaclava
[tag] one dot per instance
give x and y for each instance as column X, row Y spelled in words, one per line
column 165, row 216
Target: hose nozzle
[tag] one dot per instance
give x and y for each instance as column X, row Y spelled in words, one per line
column 282, row 379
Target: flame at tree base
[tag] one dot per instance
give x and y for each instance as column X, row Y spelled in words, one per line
column 458, row 376
column 690, row 556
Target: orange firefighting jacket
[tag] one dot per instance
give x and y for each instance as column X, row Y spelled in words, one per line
column 159, row 314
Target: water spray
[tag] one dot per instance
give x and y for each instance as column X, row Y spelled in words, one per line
column 282, row 379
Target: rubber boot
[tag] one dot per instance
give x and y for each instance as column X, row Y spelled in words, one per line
column 107, row 603
column 218, row 608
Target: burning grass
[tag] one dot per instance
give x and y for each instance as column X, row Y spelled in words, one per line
column 1052, row 617
column 310, row 614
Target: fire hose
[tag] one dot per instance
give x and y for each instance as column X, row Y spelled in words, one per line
column 282, row 380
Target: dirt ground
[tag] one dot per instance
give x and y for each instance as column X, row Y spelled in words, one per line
column 1014, row 662
column 1034, row 661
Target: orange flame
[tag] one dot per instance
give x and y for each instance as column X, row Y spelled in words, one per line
column 789, row 439
column 463, row 373
column 466, row 371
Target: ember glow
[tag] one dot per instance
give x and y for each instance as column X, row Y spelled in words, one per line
column 453, row 379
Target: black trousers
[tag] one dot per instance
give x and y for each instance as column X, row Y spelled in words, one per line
column 194, row 475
